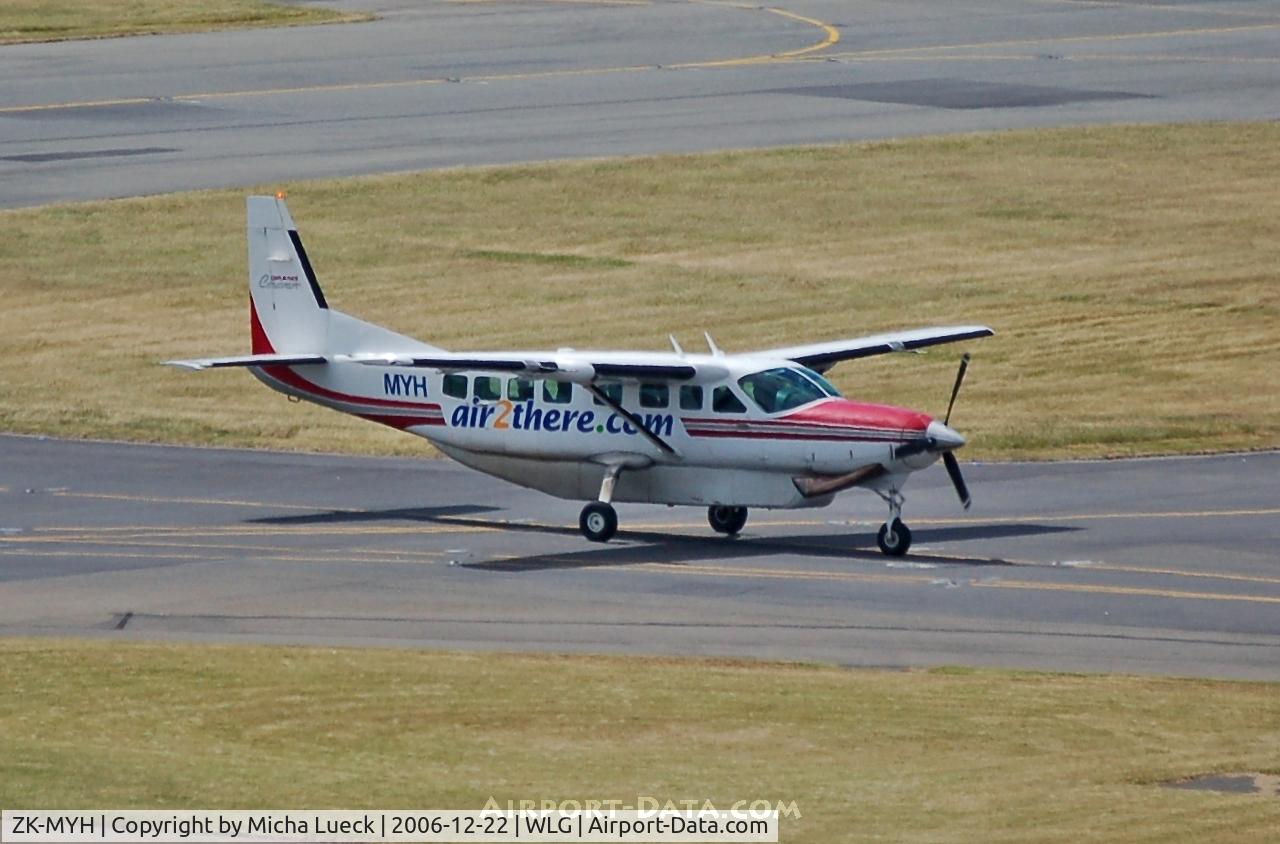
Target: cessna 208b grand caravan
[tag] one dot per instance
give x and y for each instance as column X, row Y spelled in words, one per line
column 728, row 432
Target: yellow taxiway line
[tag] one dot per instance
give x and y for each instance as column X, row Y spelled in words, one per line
column 217, row 502
column 1125, row 590
column 1062, row 39
column 831, row 36
column 701, row 570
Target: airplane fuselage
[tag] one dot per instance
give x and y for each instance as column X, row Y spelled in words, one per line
column 555, row 437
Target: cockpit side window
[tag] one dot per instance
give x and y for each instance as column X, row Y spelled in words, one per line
column 724, row 401
column 776, row 390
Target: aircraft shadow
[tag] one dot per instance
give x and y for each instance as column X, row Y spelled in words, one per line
column 649, row 546
column 400, row 514
column 657, row 547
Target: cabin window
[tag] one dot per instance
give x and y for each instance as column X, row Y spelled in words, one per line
column 655, row 395
column 691, row 397
column 520, row 389
column 557, row 392
column 724, row 401
column 776, row 390
column 613, row 391
column 488, row 387
column 455, row 385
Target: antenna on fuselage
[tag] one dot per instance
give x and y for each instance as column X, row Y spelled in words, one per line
column 711, row 344
column 675, row 345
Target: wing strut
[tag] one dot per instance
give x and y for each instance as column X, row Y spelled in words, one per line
column 632, row 418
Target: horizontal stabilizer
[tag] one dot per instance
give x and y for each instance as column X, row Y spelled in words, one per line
column 248, row 360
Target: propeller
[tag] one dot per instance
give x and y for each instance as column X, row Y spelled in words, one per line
column 949, row 459
column 955, row 391
column 957, row 479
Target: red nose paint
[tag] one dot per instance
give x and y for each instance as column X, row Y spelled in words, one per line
column 861, row 415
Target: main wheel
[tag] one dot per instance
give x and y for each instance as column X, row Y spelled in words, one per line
column 598, row 522
column 727, row 520
column 894, row 538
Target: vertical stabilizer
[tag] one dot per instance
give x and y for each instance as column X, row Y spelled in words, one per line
column 289, row 311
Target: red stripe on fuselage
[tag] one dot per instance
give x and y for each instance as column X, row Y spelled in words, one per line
column 285, row 374
column 888, row 437
column 401, row 422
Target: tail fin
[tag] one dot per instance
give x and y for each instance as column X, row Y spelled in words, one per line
column 288, row 311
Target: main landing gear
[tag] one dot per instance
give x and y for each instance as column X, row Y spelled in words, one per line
column 599, row 521
column 894, row 538
column 727, row 520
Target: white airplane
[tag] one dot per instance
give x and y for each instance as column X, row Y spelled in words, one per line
column 728, row 432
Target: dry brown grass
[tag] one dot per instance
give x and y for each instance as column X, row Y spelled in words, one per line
column 1131, row 274
column 60, row 20
column 954, row 756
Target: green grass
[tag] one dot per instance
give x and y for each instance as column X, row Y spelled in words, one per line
column 509, row 257
column 59, row 20
column 1133, row 275
column 970, row 755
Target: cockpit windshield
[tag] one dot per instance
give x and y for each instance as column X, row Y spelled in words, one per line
column 827, row 386
column 776, row 390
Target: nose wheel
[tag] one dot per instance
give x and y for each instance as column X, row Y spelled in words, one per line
column 727, row 520
column 894, row 538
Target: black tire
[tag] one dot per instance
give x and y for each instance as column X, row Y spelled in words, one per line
column 727, row 520
column 894, row 541
column 598, row 522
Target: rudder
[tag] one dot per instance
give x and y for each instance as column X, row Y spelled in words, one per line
column 288, row 309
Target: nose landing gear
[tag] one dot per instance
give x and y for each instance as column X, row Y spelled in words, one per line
column 894, row 537
column 727, row 520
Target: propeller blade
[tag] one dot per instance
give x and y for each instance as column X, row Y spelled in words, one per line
column 957, row 479
column 955, row 391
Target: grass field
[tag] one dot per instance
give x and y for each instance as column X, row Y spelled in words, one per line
column 980, row 756
column 1133, row 275
column 59, row 20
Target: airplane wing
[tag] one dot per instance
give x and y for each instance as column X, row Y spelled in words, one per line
column 577, row 367
column 823, row 356
column 248, row 360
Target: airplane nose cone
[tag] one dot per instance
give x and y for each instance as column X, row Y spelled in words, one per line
column 947, row 438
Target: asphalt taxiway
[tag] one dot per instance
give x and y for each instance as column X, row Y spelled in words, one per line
column 459, row 83
column 1165, row 566
column 1161, row 566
